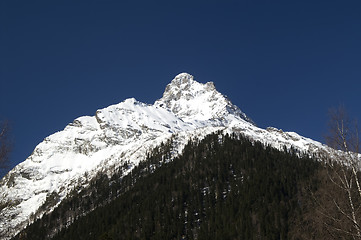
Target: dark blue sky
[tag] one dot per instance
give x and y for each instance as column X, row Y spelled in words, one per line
column 284, row 63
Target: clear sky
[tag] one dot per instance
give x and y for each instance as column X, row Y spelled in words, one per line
column 284, row 63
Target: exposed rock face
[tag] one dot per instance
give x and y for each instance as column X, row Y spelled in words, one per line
column 196, row 102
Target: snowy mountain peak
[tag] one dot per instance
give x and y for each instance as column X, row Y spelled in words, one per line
column 193, row 101
column 184, row 86
column 123, row 134
column 183, row 78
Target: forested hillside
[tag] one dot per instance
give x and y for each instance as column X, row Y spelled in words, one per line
column 222, row 187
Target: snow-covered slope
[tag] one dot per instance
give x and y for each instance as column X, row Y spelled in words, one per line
column 123, row 133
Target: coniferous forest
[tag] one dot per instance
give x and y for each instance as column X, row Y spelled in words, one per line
column 221, row 187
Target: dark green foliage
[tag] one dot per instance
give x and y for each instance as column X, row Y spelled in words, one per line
column 223, row 187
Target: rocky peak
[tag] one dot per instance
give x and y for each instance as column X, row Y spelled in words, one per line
column 181, row 86
column 190, row 100
column 182, row 78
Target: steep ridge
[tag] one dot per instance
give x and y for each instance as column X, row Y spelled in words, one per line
column 121, row 133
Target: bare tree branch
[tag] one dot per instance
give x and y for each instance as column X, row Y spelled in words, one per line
column 344, row 138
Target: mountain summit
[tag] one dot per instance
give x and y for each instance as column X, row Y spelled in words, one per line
column 196, row 102
column 121, row 135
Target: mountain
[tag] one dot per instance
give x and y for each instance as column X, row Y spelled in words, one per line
column 220, row 187
column 123, row 134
